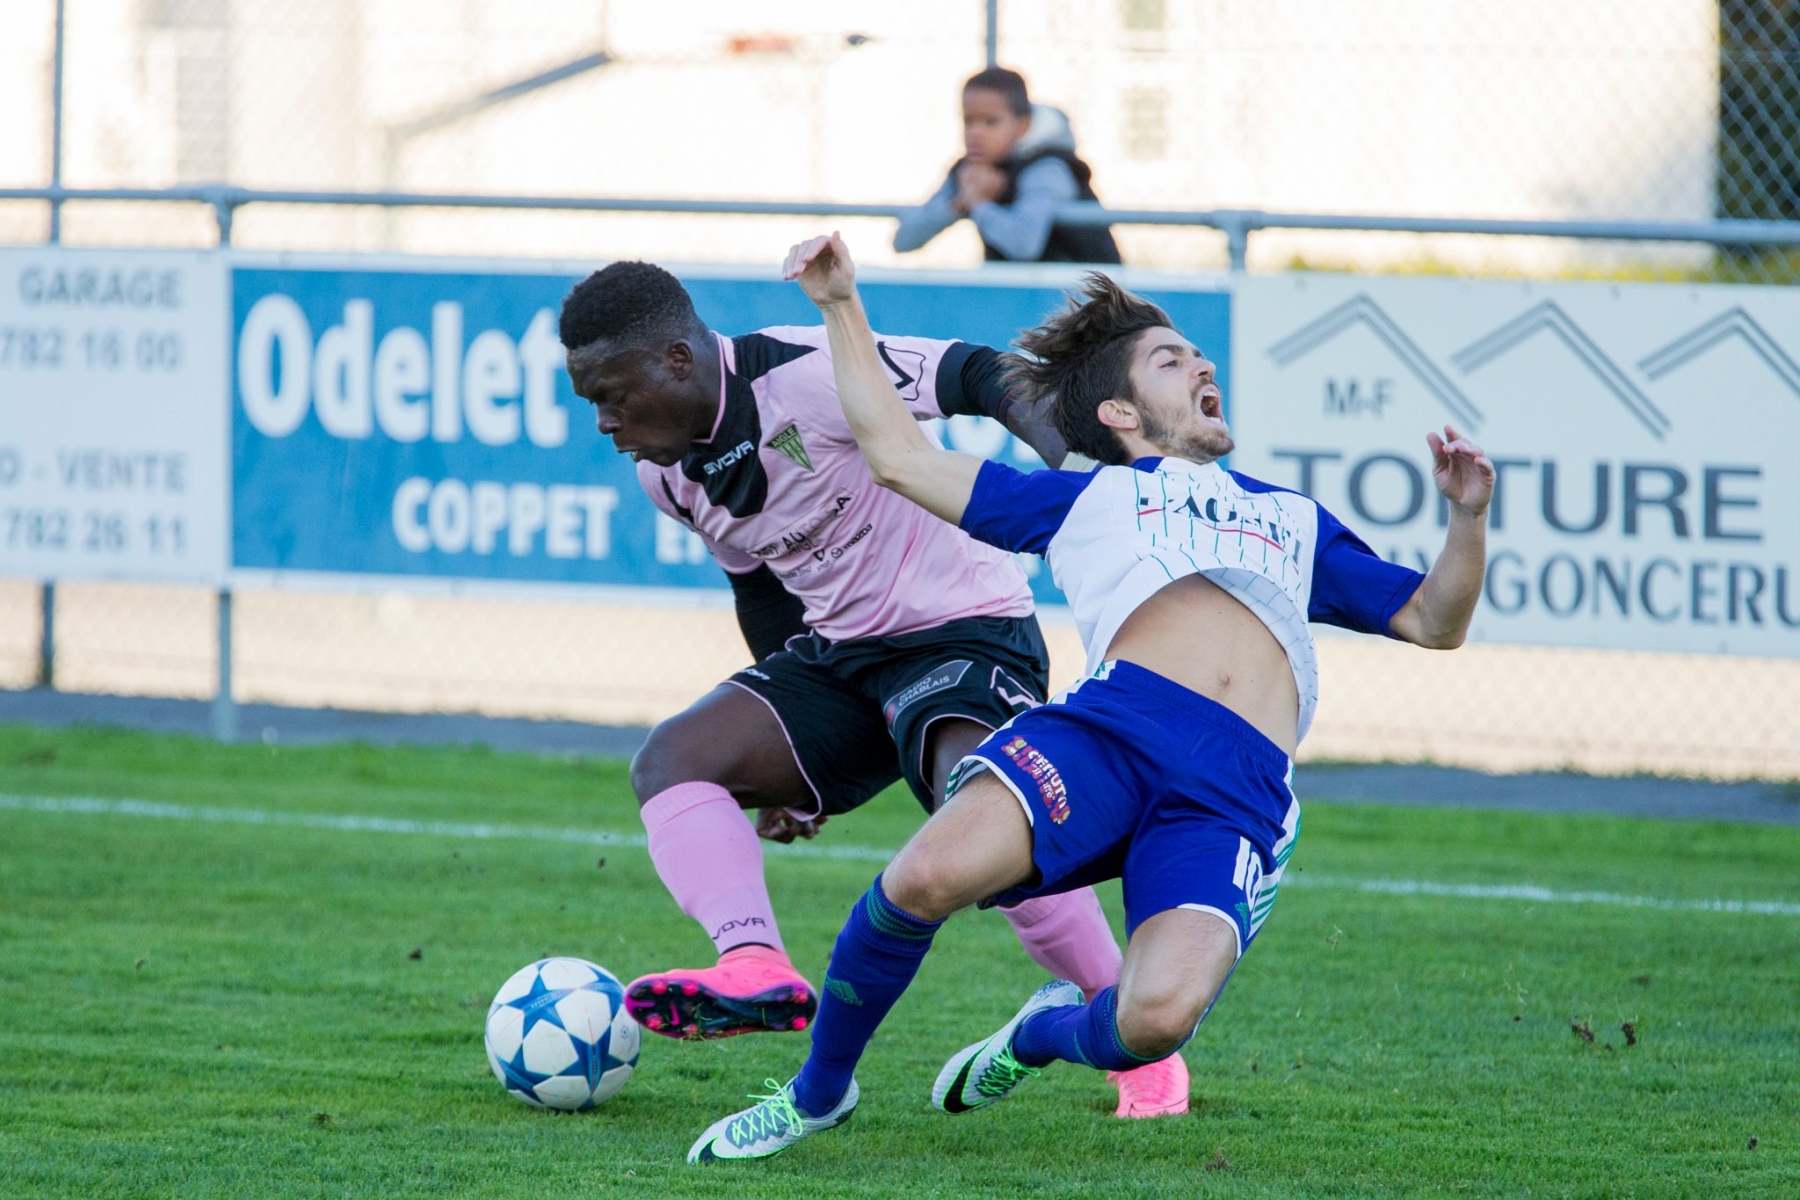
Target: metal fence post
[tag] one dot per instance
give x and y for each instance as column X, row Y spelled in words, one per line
column 224, row 708
column 1236, row 226
column 56, row 123
column 224, row 209
column 993, row 33
column 47, row 636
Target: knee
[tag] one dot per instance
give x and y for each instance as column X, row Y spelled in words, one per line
column 919, row 886
column 672, row 754
column 1156, row 1026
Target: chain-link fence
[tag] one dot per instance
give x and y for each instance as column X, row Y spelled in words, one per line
column 1610, row 109
column 1679, row 110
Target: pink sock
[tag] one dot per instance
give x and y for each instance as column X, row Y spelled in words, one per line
column 710, row 859
column 1068, row 936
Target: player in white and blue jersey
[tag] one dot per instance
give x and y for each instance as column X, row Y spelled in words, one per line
column 1168, row 765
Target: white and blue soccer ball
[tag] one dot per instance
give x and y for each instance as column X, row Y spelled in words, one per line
column 558, row 1035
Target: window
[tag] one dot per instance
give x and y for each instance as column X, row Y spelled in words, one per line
column 1144, row 16
column 1146, row 123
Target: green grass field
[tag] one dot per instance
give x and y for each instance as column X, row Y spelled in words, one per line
column 209, row 1007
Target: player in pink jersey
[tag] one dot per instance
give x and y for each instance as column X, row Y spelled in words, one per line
column 888, row 644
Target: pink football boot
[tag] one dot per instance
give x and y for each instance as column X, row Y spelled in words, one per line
column 752, row 989
column 1157, row 1090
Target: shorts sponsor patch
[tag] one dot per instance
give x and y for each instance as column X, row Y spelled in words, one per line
column 946, row 676
column 1043, row 773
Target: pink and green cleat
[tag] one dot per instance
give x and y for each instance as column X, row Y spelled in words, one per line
column 752, row 989
column 1158, row 1089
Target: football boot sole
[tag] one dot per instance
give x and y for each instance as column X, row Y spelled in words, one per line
column 687, row 1008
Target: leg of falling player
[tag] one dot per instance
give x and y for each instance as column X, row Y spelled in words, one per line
column 1069, row 937
column 1174, row 967
column 977, row 846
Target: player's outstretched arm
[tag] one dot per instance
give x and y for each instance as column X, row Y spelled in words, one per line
column 899, row 454
column 1439, row 613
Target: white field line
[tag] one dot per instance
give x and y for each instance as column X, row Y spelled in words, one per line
column 96, row 806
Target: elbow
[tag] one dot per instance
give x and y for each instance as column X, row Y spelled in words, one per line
column 883, row 470
column 1445, row 639
column 891, row 479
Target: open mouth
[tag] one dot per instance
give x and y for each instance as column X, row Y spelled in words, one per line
column 1211, row 403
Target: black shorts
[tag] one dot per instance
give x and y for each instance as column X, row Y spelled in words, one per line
column 856, row 712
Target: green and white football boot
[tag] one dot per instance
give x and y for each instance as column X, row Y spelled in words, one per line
column 978, row 1075
column 769, row 1127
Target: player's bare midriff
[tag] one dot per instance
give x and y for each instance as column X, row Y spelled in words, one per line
column 1198, row 635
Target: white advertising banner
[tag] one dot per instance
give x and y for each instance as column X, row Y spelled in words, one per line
column 113, row 440
column 1645, row 436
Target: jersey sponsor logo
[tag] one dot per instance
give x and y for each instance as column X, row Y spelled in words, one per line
column 837, row 552
column 729, row 458
column 946, row 676
column 1048, row 779
column 787, row 443
column 1228, row 520
column 806, row 538
column 908, row 367
column 754, row 674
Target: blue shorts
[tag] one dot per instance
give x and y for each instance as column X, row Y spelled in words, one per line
column 1129, row 775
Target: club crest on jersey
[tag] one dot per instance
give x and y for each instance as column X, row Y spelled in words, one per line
column 787, row 443
column 1048, row 779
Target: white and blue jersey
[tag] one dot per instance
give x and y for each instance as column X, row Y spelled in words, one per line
column 1116, row 536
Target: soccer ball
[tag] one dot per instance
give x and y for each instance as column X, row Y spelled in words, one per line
column 558, row 1035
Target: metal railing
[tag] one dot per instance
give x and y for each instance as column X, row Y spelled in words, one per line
column 1237, row 224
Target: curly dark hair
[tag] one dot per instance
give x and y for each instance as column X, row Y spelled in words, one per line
column 1080, row 358
column 629, row 301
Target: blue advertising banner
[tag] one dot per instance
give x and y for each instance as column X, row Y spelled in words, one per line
column 421, row 423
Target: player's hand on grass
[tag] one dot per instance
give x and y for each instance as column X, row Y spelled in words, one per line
column 823, row 267
column 780, row 825
column 1463, row 473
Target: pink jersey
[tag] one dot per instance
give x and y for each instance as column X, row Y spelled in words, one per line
column 781, row 482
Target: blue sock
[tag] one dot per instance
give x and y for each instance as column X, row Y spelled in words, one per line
column 1079, row 1033
column 875, row 958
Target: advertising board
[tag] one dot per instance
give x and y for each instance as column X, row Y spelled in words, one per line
column 112, row 420
column 414, row 423
column 1644, row 437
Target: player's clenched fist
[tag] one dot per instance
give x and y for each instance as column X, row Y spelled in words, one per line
column 823, row 268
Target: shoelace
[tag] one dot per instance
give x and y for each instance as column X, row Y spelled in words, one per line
column 1003, row 1074
column 775, row 1113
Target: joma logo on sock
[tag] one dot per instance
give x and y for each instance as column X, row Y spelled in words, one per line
column 842, row 991
column 743, row 923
